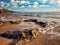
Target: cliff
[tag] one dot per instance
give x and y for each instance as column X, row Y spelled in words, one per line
column 5, row 10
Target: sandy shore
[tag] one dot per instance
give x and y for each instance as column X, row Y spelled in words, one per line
column 41, row 40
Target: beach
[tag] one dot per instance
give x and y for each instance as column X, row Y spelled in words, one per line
column 43, row 39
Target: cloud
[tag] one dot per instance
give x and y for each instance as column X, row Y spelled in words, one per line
column 12, row 1
column 30, row 6
column 2, row 4
column 58, row 1
column 27, row 2
column 44, row 6
column 52, row 2
column 22, row 2
column 14, row 4
column 55, row 2
column 22, row 6
column 35, row 5
column 17, row 1
column 7, row 5
column 43, row 1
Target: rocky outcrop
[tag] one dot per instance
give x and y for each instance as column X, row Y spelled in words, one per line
column 24, row 36
column 6, row 20
column 4, row 10
column 31, row 20
column 41, row 23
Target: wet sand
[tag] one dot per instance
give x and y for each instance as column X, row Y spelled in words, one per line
column 4, row 41
column 43, row 39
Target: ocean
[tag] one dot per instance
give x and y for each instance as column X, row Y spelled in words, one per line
column 38, row 14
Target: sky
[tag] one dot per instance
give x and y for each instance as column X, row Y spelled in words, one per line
column 31, row 5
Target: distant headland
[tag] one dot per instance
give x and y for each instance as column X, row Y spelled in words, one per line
column 3, row 10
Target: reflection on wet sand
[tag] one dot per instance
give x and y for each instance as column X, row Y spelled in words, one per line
column 27, row 32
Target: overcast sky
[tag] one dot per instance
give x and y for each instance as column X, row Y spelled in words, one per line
column 31, row 5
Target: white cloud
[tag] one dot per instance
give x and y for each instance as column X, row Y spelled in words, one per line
column 7, row 5
column 27, row 2
column 29, row 6
column 44, row 6
column 35, row 5
column 2, row 4
column 22, row 6
column 53, row 2
column 12, row 1
column 17, row 1
column 15, row 6
column 43, row 1
column 58, row 1
column 22, row 2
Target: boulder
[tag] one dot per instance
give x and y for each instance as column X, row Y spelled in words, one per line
column 42, row 24
column 1, row 23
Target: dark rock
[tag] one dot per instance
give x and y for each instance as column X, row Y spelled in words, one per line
column 42, row 24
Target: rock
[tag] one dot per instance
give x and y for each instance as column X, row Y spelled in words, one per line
column 42, row 24
column 1, row 23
